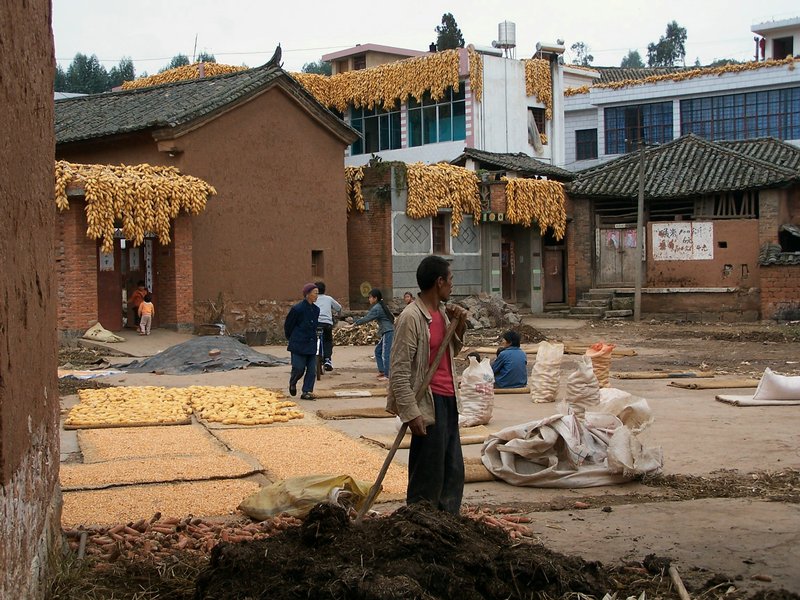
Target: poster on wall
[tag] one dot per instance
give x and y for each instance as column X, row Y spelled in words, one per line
column 683, row 241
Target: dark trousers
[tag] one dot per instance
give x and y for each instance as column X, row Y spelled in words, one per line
column 327, row 340
column 435, row 463
column 304, row 363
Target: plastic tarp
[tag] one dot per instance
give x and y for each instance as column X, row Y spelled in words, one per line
column 192, row 357
column 296, row 496
column 772, row 390
column 565, row 451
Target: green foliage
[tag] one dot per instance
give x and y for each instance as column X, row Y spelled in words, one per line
column 319, row 67
column 449, row 35
column 179, row 60
column 670, row 49
column 582, row 56
column 633, row 60
column 85, row 75
column 121, row 73
column 205, row 57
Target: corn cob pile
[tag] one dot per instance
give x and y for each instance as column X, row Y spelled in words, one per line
column 144, row 197
column 441, row 185
column 192, row 71
column 355, row 198
column 538, row 83
column 540, row 200
column 364, row 335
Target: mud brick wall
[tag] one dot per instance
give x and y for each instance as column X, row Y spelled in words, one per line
column 175, row 282
column 579, row 238
column 240, row 317
column 780, row 292
column 76, row 268
column 29, row 454
column 369, row 238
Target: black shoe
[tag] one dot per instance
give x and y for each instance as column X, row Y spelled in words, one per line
column 328, row 365
column 307, row 396
column 292, row 389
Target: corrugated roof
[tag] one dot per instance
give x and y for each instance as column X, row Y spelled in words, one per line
column 174, row 104
column 686, row 167
column 772, row 150
column 771, row 254
column 518, row 162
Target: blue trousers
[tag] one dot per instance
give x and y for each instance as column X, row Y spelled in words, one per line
column 435, row 462
column 304, row 363
column 383, row 352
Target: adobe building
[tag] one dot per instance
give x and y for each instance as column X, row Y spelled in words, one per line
column 30, row 499
column 275, row 157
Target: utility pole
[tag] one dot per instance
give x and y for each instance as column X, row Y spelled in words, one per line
column 637, row 296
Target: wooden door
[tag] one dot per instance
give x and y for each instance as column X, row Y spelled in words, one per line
column 109, row 288
column 508, row 271
column 553, row 275
column 616, row 258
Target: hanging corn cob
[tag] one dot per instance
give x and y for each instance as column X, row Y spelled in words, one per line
column 538, row 83
column 181, row 74
column 432, row 187
column 355, row 197
column 539, row 200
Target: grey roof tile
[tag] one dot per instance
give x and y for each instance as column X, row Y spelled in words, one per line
column 770, row 149
column 518, row 162
column 771, row 254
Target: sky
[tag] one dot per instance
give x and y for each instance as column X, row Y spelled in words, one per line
column 246, row 32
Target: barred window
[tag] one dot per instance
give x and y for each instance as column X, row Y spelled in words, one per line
column 585, row 144
column 627, row 125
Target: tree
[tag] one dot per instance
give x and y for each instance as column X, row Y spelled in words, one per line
column 179, row 60
column 449, row 35
column 205, row 57
column 319, row 67
column 121, row 73
column 582, row 56
column 670, row 49
column 633, row 60
column 60, row 84
column 85, row 75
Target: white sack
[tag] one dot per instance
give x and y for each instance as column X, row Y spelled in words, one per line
column 476, row 389
column 96, row 332
column 546, row 372
column 583, row 389
column 772, row 390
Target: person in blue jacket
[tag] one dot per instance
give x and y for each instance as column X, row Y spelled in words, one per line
column 300, row 329
column 378, row 311
column 511, row 365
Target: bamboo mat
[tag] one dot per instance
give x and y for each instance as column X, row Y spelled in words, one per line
column 370, row 412
column 717, row 384
column 469, row 435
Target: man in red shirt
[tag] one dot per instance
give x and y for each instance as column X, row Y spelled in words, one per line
column 436, row 465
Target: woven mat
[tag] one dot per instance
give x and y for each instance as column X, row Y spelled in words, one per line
column 660, row 374
column 370, row 412
column 121, row 505
column 98, row 445
column 76, row 476
column 317, row 450
column 717, row 384
column 475, row 471
column 469, row 435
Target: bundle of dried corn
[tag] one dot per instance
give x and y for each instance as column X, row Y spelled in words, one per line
column 573, row 91
column 386, row 84
column 208, row 69
column 475, row 73
column 355, row 198
column 233, row 404
column 432, row 187
column 538, row 83
column 540, row 200
column 144, row 197
column 363, row 335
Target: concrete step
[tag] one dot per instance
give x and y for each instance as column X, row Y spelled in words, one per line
column 586, row 311
column 598, row 295
column 618, row 314
column 605, row 303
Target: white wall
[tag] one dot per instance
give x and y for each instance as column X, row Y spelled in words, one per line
column 503, row 124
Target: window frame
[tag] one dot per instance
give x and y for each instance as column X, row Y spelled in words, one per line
column 386, row 125
column 626, row 125
column 440, row 234
column 583, row 144
column 435, row 122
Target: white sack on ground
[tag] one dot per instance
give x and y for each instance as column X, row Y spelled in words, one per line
column 772, row 390
column 562, row 452
column 583, row 389
column 546, row 372
column 98, row 333
column 476, row 389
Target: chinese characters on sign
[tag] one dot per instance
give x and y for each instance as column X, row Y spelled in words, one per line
column 683, row 241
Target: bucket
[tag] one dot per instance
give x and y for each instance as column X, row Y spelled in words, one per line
column 255, row 338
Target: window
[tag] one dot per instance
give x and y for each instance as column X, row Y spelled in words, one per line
column 432, row 122
column 742, row 116
column 380, row 130
column 626, row 125
column 439, row 234
column 585, row 144
column 359, row 62
column 538, row 118
column 782, row 47
column 317, row 264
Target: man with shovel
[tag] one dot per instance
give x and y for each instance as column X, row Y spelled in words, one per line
column 422, row 387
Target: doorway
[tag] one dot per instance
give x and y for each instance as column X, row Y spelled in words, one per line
column 553, row 266
column 616, row 258
column 118, row 275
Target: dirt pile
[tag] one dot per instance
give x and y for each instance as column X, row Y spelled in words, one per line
column 414, row 553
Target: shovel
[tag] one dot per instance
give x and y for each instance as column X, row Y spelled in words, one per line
column 376, row 487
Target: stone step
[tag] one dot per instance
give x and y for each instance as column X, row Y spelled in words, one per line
column 599, row 294
column 597, row 303
column 588, row 311
column 618, row 314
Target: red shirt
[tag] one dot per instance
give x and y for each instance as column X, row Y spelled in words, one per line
column 442, row 382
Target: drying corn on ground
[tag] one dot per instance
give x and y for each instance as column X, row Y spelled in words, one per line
column 158, row 405
column 100, row 445
column 301, row 450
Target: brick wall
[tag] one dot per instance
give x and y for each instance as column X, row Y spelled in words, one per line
column 580, row 248
column 769, row 208
column 369, row 237
column 780, row 292
column 497, row 196
column 175, row 283
column 76, row 272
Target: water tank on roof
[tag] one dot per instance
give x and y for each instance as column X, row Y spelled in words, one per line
column 506, row 35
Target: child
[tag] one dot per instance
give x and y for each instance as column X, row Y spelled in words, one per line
column 146, row 312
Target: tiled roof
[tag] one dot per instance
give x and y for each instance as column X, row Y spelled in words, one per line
column 686, row 167
column 772, row 150
column 771, row 254
column 519, row 162
column 174, row 104
column 612, row 74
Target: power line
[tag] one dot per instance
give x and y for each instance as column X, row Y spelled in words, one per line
column 269, row 52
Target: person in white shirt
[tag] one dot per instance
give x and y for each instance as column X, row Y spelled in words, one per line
column 327, row 306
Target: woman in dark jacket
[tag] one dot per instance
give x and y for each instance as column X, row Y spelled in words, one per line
column 300, row 329
column 380, row 312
